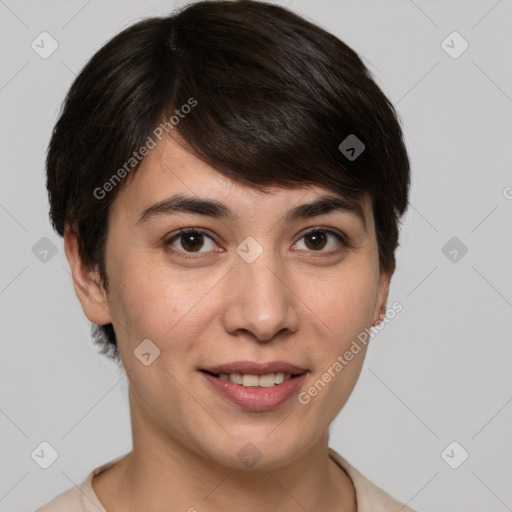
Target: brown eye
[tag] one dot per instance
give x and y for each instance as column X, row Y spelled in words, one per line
column 319, row 239
column 191, row 241
column 315, row 240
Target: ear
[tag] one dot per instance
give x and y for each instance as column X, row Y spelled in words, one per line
column 87, row 283
column 382, row 297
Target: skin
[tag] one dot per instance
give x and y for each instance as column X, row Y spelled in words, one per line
column 294, row 303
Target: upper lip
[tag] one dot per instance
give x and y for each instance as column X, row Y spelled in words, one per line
column 251, row 368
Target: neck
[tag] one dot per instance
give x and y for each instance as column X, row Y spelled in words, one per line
column 171, row 477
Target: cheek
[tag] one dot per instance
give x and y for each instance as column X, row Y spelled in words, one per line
column 345, row 303
column 171, row 308
column 150, row 301
column 343, row 308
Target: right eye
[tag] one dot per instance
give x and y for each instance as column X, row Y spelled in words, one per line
column 191, row 240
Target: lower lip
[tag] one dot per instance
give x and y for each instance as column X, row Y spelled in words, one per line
column 256, row 398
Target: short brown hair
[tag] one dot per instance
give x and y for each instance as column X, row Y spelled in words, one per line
column 275, row 96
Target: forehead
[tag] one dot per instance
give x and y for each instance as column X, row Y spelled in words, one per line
column 171, row 178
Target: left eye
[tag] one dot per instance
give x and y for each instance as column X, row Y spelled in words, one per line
column 317, row 239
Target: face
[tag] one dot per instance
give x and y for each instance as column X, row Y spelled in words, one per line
column 258, row 289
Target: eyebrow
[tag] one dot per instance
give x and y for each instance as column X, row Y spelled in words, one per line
column 180, row 203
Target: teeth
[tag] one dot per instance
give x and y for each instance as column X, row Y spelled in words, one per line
column 281, row 377
column 250, row 381
column 265, row 381
column 234, row 377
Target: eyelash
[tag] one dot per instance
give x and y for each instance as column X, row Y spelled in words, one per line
column 321, row 229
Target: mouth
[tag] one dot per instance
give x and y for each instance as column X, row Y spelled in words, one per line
column 248, row 380
column 256, row 387
column 249, row 374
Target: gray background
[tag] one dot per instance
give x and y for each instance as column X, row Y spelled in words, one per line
column 439, row 372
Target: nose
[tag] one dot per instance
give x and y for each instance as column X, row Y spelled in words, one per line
column 261, row 301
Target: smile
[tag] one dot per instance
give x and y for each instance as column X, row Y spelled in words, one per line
column 249, row 381
column 255, row 392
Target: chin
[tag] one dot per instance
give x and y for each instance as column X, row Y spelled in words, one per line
column 257, row 451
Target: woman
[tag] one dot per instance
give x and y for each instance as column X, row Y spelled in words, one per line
column 229, row 182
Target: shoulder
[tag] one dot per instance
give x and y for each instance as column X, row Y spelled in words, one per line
column 68, row 501
column 80, row 498
column 369, row 497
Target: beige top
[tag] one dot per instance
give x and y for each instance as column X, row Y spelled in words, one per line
column 369, row 497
